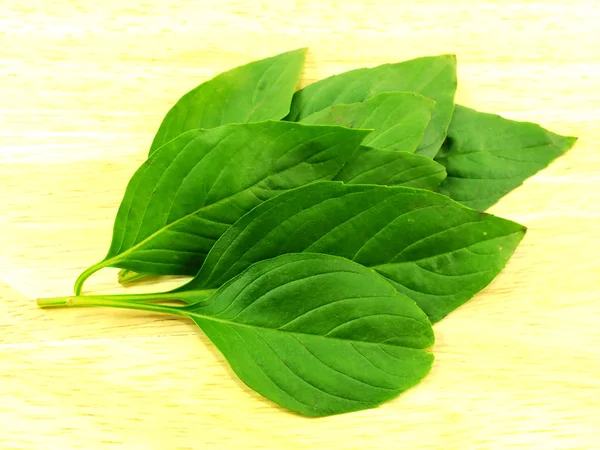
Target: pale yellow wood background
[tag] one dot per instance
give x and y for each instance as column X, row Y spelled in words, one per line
column 83, row 87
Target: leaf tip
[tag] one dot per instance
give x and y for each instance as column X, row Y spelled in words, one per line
column 563, row 143
column 450, row 57
column 300, row 50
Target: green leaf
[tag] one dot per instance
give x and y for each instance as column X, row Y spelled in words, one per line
column 398, row 119
column 258, row 91
column 433, row 77
column 390, row 168
column 255, row 92
column 319, row 335
column 432, row 249
column 316, row 334
column 487, row 156
column 194, row 187
column 128, row 276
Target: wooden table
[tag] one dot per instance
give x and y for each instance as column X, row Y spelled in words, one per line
column 83, row 87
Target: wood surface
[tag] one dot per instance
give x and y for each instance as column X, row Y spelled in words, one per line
column 84, row 86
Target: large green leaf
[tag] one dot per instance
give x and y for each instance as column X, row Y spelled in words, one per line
column 258, row 91
column 316, row 334
column 434, row 250
column 487, row 156
column 398, row 119
column 433, row 77
column 390, row 168
column 194, row 187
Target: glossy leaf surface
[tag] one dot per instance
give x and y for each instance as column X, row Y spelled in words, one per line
column 432, row 249
column 399, row 121
column 193, row 188
column 318, row 334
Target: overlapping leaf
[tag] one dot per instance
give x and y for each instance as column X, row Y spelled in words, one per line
column 314, row 333
column 398, row 119
column 391, row 168
column 432, row 77
column 320, row 294
column 194, row 187
column 487, row 156
column 258, row 91
column 432, row 249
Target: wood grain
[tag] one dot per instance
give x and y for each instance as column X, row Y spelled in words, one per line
column 84, row 86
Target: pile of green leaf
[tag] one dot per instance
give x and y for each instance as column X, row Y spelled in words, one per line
column 326, row 228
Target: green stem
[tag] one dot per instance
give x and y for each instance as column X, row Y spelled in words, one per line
column 187, row 297
column 183, row 296
column 55, row 302
column 89, row 272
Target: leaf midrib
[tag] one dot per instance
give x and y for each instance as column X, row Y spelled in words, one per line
column 445, row 253
column 401, row 191
column 131, row 249
column 193, row 314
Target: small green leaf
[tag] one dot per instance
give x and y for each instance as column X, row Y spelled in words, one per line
column 127, row 276
column 316, row 334
column 432, row 249
column 390, row 168
column 258, row 91
column 433, row 77
column 398, row 119
column 194, row 187
column 487, row 156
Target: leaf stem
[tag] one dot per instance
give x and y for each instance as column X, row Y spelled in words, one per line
column 196, row 295
column 89, row 272
column 90, row 300
column 142, row 302
column 184, row 296
column 152, row 298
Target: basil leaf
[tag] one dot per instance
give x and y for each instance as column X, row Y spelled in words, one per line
column 432, row 249
column 371, row 166
column 194, row 187
column 487, row 156
column 258, row 91
column 433, row 77
column 398, row 119
column 390, row 168
column 316, row 334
